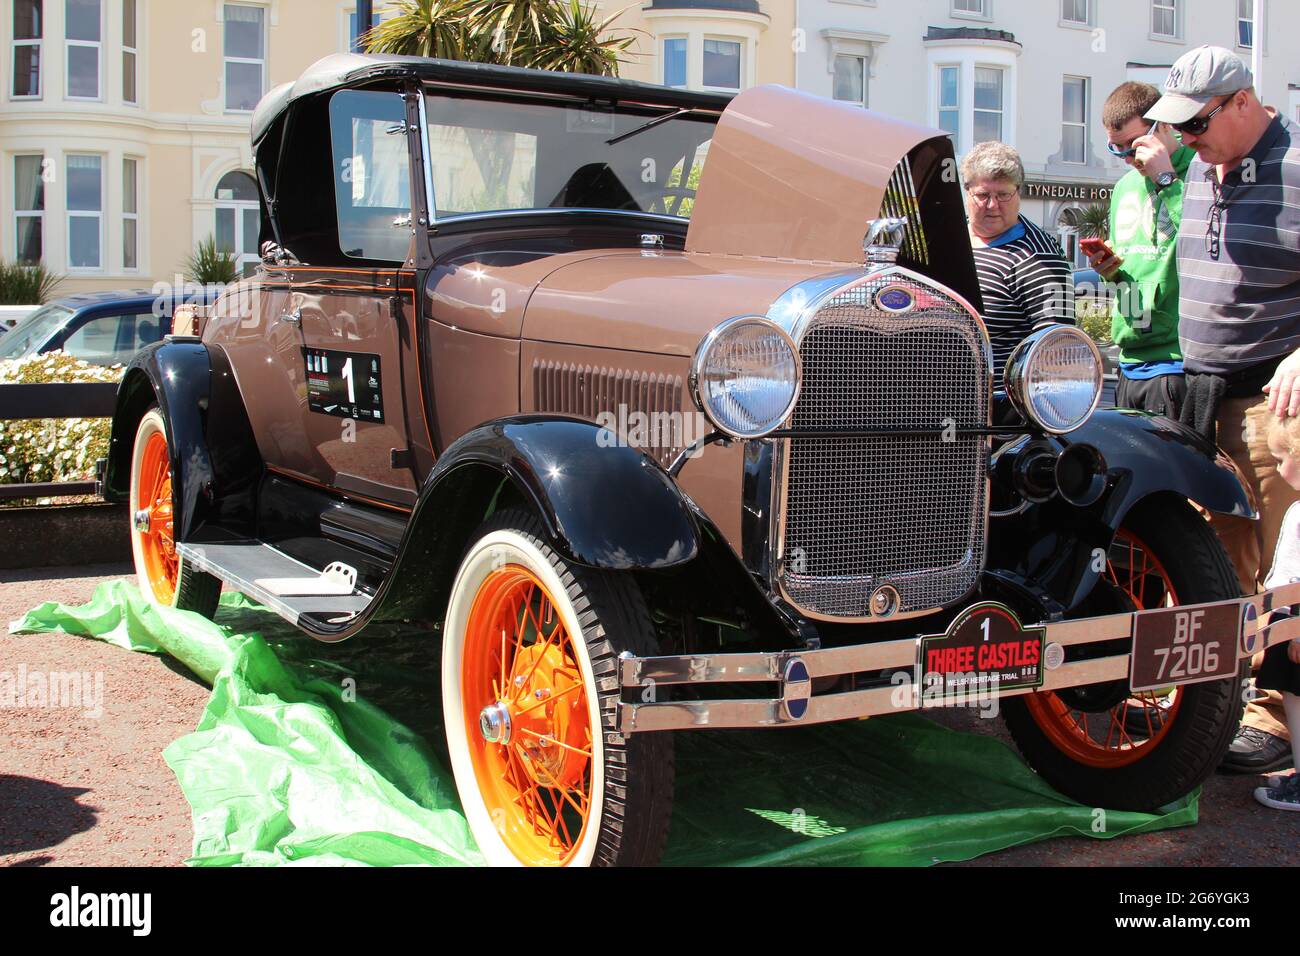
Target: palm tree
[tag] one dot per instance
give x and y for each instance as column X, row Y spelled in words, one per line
column 565, row 35
column 1093, row 221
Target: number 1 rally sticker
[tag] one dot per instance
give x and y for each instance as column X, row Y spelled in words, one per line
column 344, row 384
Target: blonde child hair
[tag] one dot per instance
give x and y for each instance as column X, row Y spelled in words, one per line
column 1288, row 428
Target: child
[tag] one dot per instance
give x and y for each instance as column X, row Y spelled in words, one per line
column 1281, row 668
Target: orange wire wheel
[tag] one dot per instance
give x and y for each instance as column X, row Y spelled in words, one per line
column 153, row 519
column 544, row 775
column 1134, row 726
column 526, row 713
column 163, row 574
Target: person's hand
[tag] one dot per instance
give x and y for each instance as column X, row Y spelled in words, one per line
column 1106, row 263
column 1152, row 158
column 1284, row 388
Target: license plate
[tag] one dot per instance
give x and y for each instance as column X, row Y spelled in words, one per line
column 984, row 650
column 344, row 384
column 1184, row 645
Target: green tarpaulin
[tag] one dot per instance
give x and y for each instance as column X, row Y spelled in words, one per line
column 328, row 754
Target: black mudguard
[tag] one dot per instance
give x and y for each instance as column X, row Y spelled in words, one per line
column 214, row 458
column 1053, row 543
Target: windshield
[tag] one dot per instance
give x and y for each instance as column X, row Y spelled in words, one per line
column 31, row 333
column 495, row 155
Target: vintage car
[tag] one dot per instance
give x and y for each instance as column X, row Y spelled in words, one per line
column 668, row 410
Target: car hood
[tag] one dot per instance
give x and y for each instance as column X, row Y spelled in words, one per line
column 790, row 175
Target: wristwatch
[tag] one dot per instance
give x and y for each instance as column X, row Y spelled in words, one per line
column 1165, row 180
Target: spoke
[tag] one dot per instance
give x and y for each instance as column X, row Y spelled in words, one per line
column 557, row 743
column 503, row 660
column 547, row 700
column 541, row 652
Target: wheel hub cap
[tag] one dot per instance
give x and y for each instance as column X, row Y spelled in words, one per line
column 494, row 723
column 141, row 520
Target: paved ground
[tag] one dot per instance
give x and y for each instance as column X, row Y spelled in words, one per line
column 81, row 790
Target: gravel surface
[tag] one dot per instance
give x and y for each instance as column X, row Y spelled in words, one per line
column 77, row 789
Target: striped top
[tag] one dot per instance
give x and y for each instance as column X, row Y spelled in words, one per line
column 1025, row 283
column 1239, row 298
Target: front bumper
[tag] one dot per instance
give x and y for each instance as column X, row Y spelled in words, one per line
column 793, row 672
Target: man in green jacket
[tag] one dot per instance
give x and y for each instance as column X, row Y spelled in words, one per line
column 1140, row 258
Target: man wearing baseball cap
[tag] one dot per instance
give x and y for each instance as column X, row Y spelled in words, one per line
column 1239, row 311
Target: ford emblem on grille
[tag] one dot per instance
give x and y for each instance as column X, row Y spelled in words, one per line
column 895, row 299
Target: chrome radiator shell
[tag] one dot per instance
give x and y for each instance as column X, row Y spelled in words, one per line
column 927, row 535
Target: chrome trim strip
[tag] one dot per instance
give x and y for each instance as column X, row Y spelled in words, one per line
column 429, row 198
column 566, row 210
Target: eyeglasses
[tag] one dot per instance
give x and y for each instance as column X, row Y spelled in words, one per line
column 1132, row 150
column 983, row 199
column 1199, row 124
column 1214, row 227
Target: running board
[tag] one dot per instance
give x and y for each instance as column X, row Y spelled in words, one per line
column 258, row 570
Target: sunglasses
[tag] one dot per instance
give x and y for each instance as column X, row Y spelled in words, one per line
column 1132, row 150
column 1199, row 124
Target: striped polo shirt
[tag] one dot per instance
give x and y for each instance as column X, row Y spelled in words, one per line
column 1239, row 298
column 1025, row 283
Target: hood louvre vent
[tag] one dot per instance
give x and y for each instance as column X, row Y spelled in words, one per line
column 901, row 201
column 646, row 406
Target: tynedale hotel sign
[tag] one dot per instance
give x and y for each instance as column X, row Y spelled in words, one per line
column 1078, row 192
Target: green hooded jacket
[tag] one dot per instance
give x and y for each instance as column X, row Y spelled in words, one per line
column 1144, row 233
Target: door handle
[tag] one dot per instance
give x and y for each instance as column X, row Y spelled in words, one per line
column 293, row 318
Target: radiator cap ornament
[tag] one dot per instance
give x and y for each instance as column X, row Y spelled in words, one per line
column 883, row 239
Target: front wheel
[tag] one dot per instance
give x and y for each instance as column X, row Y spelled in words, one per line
column 1105, row 746
column 530, row 695
column 164, row 576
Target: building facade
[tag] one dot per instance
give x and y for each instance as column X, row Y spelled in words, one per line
column 124, row 124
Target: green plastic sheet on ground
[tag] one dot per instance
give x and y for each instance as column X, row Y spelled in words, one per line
column 311, row 753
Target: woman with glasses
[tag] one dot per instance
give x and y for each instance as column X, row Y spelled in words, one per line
column 1024, row 278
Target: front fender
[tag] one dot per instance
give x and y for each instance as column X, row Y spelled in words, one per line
column 605, row 505
column 1055, row 543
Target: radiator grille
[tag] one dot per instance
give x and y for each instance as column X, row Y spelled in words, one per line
column 908, row 509
column 646, row 406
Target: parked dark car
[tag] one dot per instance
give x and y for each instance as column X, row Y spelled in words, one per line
column 104, row 328
column 463, row 389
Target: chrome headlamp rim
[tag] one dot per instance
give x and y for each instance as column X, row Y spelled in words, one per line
column 702, row 351
column 1021, row 360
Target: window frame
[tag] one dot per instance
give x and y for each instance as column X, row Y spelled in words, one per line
column 96, row 45
column 940, row 109
column 663, row 60
column 1177, row 7
column 133, row 51
column 238, row 208
column 1002, row 101
column 1089, row 13
column 131, row 216
column 226, row 59
column 865, row 63
column 1083, row 124
column 37, row 214
column 69, row 213
column 39, row 43
column 741, row 63
column 1249, row 21
column 379, row 16
column 985, row 11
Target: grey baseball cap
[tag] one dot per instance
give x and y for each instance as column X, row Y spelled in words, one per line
column 1196, row 79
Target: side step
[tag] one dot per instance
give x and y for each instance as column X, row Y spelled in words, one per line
column 259, row 571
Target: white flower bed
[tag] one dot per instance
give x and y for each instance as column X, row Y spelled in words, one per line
column 63, row 449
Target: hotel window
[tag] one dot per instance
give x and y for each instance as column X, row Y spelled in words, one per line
column 352, row 28
column 950, row 100
column 1076, row 11
column 29, row 209
column 1074, row 120
column 851, row 78
column 130, row 215
column 722, row 67
column 28, row 29
column 973, row 8
column 85, row 211
column 675, row 61
column 128, row 51
column 83, row 32
column 1164, row 18
column 238, row 219
column 988, row 103
column 245, row 56
column 1246, row 23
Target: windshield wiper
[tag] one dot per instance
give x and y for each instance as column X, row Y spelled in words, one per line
column 653, row 123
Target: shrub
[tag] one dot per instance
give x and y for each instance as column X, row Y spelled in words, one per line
column 209, row 264
column 1094, row 315
column 63, row 449
column 26, row 285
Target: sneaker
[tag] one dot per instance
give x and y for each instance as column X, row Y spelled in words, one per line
column 1274, row 780
column 1256, row 751
column 1283, row 797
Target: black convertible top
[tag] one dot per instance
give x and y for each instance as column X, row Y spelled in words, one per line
column 342, row 70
